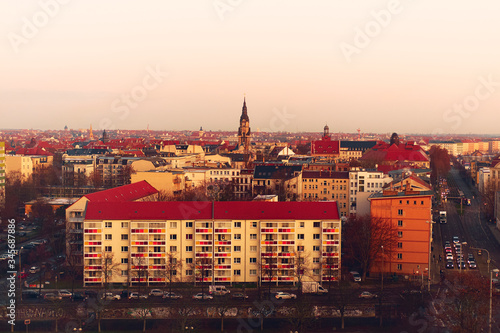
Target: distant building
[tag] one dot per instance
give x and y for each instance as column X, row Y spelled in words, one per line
column 244, row 134
column 327, row 185
column 283, row 180
column 364, row 183
column 326, row 147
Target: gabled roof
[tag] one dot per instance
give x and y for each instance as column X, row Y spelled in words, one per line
column 125, row 193
column 231, row 210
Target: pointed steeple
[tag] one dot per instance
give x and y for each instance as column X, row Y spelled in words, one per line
column 244, row 114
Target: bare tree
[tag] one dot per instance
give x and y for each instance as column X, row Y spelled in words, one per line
column 342, row 295
column 364, row 238
column 172, row 267
column 203, row 271
column 140, row 270
column 222, row 309
column 108, row 267
column 300, row 315
column 301, row 268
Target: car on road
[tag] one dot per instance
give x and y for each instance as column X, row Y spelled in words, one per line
column 456, row 240
column 136, row 295
column 239, row 296
column 472, row 265
column 65, row 293
column 156, row 292
column 202, row 296
column 284, row 295
column 34, row 269
column 110, row 296
column 449, row 256
column 449, row 264
column 52, row 297
column 171, row 295
column 367, row 295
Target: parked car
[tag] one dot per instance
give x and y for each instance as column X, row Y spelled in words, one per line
column 367, row 295
column 202, row 296
column 52, row 297
column 78, row 297
column 125, row 294
column 30, row 294
column 65, row 293
column 171, row 295
column 240, row 296
column 449, row 264
column 34, row 269
column 109, row 296
column 136, row 295
column 156, row 292
column 472, row 265
column 283, row 295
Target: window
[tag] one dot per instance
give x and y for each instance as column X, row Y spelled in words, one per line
column 400, row 223
column 253, row 236
column 173, row 236
column 124, row 273
column 315, row 260
column 400, row 267
column 189, row 236
column 421, row 202
column 316, row 236
column 237, row 224
column 300, row 236
column 189, row 249
column 173, row 249
column 173, row 225
column 124, row 224
column 400, row 234
column 189, row 260
column 315, row 248
column 157, row 249
column 124, row 260
column 254, row 224
column 237, row 260
column 108, row 236
column 237, row 272
column 189, row 272
column 108, row 249
column 253, row 248
column 237, row 248
column 189, row 224
column 157, row 261
column 400, row 256
column 253, row 272
column 237, row 236
column 300, row 248
column 400, row 212
column 124, row 248
column 316, row 224
column 316, row 271
column 400, row 245
column 124, row 236
column 253, row 260
column 108, row 224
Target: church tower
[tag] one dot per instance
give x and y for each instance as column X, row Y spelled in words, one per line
column 244, row 134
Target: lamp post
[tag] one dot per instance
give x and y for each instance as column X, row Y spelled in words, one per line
column 491, row 296
column 20, row 271
column 488, row 261
column 382, row 270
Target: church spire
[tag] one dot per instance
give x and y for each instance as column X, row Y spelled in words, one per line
column 244, row 114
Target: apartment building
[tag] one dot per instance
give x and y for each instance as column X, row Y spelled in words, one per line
column 327, row 185
column 213, row 242
column 363, row 183
column 76, row 170
column 284, row 180
column 410, row 212
column 76, row 212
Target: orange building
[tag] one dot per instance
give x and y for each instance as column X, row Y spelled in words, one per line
column 411, row 214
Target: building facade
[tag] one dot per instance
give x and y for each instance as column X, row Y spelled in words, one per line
column 213, row 242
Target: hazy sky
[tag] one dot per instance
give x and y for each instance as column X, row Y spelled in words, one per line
column 406, row 66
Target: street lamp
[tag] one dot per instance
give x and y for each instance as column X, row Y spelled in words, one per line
column 488, row 261
column 491, row 295
column 382, row 271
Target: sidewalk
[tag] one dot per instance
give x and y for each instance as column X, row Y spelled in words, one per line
column 494, row 231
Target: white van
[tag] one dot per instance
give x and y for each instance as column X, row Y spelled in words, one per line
column 356, row 276
column 218, row 290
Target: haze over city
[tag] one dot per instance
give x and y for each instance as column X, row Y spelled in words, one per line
column 382, row 66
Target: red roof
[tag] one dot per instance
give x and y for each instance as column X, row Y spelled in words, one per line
column 123, row 193
column 325, row 146
column 231, row 210
column 392, row 153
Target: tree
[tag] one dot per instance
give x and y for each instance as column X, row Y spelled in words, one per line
column 341, row 296
column 300, row 315
column 301, row 268
column 139, row 269
column 222, row 309
column 172, row 266
column 364, row 238
column 203, row 271
column 108, row 267
column 468, row 309
column 440, row 162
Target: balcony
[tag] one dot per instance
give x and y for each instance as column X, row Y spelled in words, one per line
column 139, row 255
column 75, row 231
column 222, row 267
column 152, row 243
column 269, row 242
column 91, row 255
column 286, row 254
column 331, row 230
column 223, row 255
column 92, row 279
column 140, row 243
column 204, row 255
column 93, row 267
column 219, row 243
column 334, row 266
column 222, row 231
column 204, row 242
column 331, row 242
column 330, row 254
column 223, row 279
column 157, row 254
column 203, row 230
column 95, row 243
column 92, row 231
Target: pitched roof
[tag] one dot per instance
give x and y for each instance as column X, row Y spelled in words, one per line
column 232, row 210
column 123, row 193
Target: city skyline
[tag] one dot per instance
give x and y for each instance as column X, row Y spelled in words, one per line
column 409, row 67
